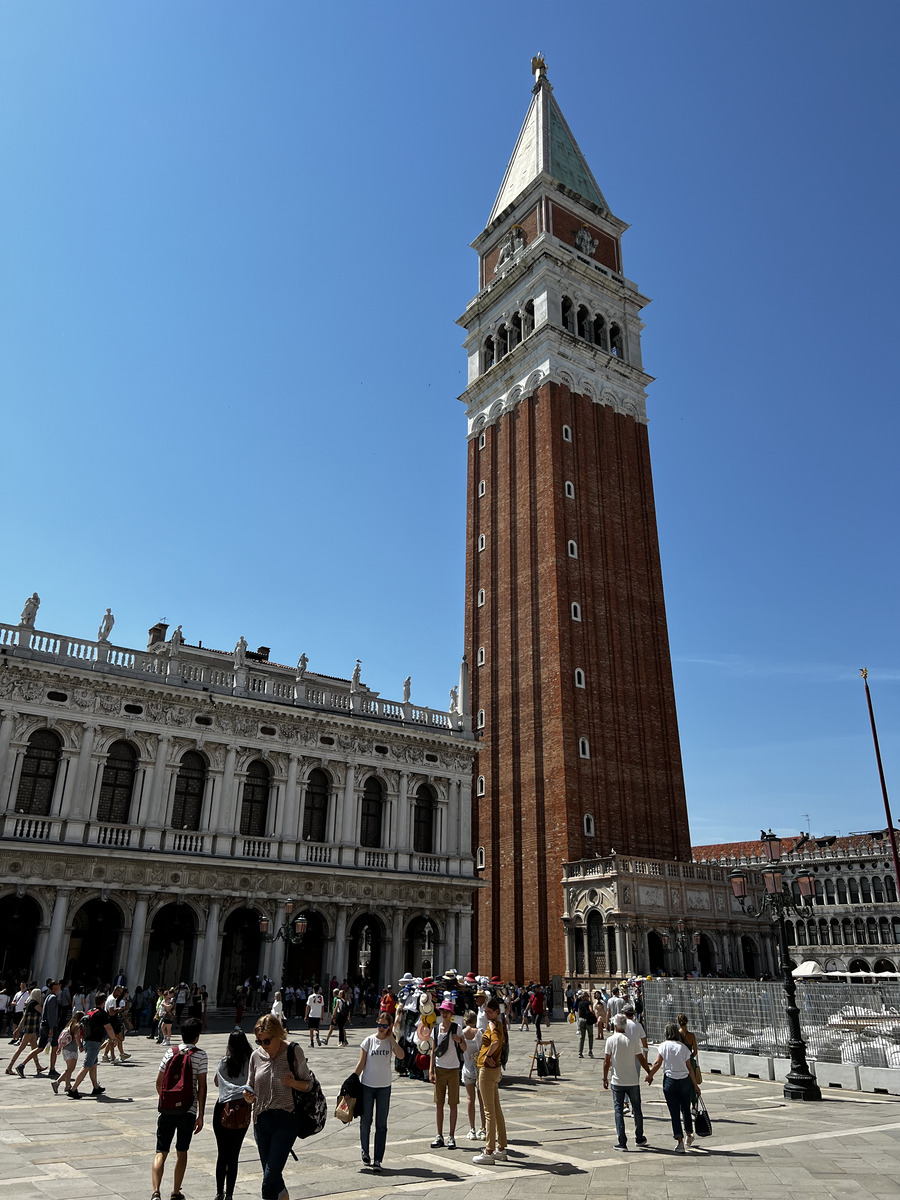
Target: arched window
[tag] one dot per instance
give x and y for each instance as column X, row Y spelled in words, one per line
column 480, row 720
column 579, row 677
column 570, row 490
column 853, row 889
column 895, row 923
column 616, row 343
column 515, row 331
column 819, row 897
column 502, row 341
column 583, row 325
column 568, row 315
column 479, row 660
column 479, row 786
column 479, row 859
column 481, row 597
column 877, row 889
column 482, row 488
column 528, row 319
column 482, row 441
column 801, row 934
column 423, row 820
column 189, row 785
column 487, row 356
column 890, row 890
column 824, row 939
column 576, row 611
column 601, row 334
column 813, row 931
column 482, row 541
column 566, row 433
column 829, row 891
column 315, row 807
column 864, row 890
column 841, row 892
column 255, row 801
column 859, row 931
column 39, row 768
column 371, row 815
column 847, row 931
column 588, row 825
column 884, row 931
column 835, row 931
column 573, row 549
column 117, row 784
column 789, row 931
column 872, row 931
column 584, row 750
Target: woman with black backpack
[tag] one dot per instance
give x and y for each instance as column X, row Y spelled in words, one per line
column 270, row 1089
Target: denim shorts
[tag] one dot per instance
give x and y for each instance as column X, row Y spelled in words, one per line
column 91, row 1054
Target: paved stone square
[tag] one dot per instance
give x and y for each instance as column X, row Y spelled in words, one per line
column 561, row 1140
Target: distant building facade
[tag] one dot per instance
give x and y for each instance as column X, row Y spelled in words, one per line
column 155, row 805
column 854, row 922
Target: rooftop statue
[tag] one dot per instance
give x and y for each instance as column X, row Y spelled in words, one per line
column 29, row 612
column 106, row 626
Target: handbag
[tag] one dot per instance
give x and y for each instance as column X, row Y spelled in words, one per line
column 571, row 1018
column 310, row 1107
column 553, row 1065
column 541, row 1063
column 702, row 1123
column 235, row 1114
column 345, row 1107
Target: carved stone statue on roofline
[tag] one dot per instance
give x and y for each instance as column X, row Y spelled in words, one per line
column 106, row 625
column 240, row 652
column 29, row 612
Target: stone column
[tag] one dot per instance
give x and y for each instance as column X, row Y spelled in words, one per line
column 452, row 940
column 134, row 967
column 339, row 949
column 397, row 947
column 349, row 835
column 451, row 824
column 465, row 817
column 585, row 952
column 288, row 829
column 77, row 799
column 227, row 801
column 403, row 839
column 570, row 952
column 53, row 961
column 7, row 760
column 209, row 967
column 621, row 951
column 464, row 948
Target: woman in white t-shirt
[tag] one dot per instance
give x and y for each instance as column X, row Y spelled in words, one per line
column 375, row 1071
column 680, row 1081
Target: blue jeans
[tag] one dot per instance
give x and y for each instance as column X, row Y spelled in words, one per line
column 377, row 1100
column 678, row 1094
column 276, row 1131
column 634, row 1095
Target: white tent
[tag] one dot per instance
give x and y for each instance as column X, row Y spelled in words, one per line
column 807, row 970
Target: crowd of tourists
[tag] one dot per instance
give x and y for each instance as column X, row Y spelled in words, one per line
column 452, row 1033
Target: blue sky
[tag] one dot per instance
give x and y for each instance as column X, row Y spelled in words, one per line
column 234, row 244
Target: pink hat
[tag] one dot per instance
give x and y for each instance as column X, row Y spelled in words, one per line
column 447, row 1006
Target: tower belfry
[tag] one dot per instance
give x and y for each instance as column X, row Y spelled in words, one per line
column 565, row 619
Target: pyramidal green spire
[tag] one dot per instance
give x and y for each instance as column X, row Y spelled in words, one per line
column 546, row 146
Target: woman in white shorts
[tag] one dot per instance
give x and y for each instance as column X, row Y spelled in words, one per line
column 470, row 1074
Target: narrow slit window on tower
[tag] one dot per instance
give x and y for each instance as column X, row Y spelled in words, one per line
column 579, row 677
column 479, row 786
column 482, row 487
column 584, row 749
column 573, row 549
column 576, row 611
column 479, row 859
column 567, row 433
column 481, row 597
column 570, row 489
column 502, row 342
column 487, row 355
column 583, row 326
column 480, row 721
column 616, row 343
column 481, row 441
column 588, row 825
column 515, row 332
column 480, row 658
column 528, row 319
column 567, row 314
column 482, row 542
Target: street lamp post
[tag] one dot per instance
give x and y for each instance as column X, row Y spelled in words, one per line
column 778, row 898
column 291, row 931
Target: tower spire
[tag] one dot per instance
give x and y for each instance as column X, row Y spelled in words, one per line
column 546, row 146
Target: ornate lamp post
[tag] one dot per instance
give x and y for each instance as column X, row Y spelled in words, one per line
column 778, row 899
column 292, row 930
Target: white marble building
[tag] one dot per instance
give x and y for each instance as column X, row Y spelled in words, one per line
column 156, row 804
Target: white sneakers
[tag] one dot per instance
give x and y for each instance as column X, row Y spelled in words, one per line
column 690, row 1139
column 472, row 1136
column 484, row 1159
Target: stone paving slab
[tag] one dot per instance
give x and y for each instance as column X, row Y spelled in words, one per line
column 561, row 1141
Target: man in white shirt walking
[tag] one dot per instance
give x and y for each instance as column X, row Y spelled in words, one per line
column 315, row 1003
column 622, row 1058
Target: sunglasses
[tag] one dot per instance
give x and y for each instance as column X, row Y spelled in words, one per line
column 264, row 1041
column 380, row 1026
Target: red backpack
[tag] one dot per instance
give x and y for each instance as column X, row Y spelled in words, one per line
column 176, row 1095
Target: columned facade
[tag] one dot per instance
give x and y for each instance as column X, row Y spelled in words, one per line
column 155, row 805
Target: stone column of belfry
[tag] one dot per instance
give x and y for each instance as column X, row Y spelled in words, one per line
column 565, row 616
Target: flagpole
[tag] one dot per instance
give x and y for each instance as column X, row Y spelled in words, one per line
column 887, row 806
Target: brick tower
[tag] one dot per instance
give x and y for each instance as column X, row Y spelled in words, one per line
column 572, row 687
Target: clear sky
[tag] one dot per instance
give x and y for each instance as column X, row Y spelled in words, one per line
column 233, row 245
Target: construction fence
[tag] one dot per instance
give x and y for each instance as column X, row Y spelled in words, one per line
column 841, row 1022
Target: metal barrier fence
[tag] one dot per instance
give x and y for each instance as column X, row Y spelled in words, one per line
column 841, row 1022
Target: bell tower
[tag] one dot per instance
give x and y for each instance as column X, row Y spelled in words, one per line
column 572, row 690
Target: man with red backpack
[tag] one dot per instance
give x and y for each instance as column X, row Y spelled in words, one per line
column 181, row 1086
column 95, row 1028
